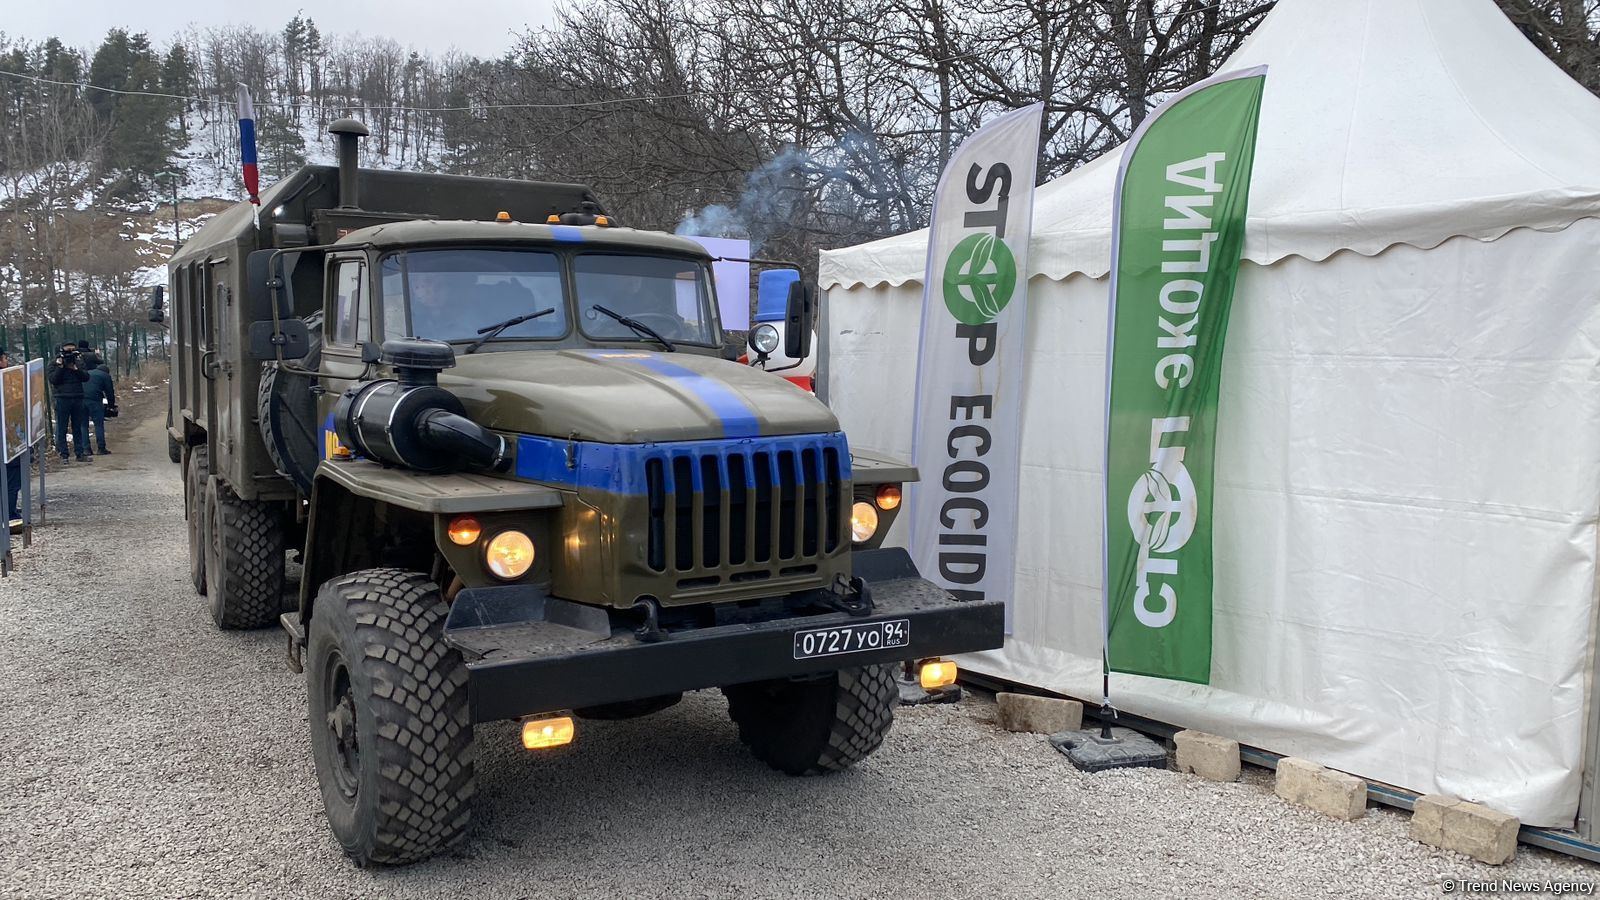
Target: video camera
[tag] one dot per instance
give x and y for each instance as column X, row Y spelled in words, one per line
column 69, row 356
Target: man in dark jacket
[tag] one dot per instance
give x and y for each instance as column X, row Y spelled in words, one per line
column 89, row 360
column 99, row 392
column 67, row 378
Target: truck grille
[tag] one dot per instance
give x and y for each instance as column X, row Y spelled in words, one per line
column 746, row 510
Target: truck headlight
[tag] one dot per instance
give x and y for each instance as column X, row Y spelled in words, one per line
column 509, row 555
column 863, row 521
column 764, row 338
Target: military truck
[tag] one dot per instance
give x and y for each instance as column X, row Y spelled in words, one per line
column 501, row 439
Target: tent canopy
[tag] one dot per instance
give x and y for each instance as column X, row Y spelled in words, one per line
column 1358, row 92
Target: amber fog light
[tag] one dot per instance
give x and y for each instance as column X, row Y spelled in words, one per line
column 464, row 530
column 551, row 731
column 888, row 496
column 936, row 673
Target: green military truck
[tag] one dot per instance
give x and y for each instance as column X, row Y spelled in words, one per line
column 501, row 440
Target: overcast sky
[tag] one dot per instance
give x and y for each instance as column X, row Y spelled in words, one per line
column 479, row 27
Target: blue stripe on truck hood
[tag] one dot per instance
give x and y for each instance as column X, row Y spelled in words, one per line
column 737, row 418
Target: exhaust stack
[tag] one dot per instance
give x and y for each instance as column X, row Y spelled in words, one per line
column 347, row 132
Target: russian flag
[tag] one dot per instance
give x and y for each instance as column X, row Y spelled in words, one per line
column 247, row 145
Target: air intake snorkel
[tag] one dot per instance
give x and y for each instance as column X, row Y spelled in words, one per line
column 410, row 421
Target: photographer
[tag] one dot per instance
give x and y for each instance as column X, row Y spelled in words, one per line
column 100, row 399
column 67, row 378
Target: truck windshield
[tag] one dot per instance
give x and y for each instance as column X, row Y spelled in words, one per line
column 667, row 295
column 448, row 294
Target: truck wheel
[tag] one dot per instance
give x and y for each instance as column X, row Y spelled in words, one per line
column 391, row 732
column 244, row 559
column 825, row 724
column 194, row 510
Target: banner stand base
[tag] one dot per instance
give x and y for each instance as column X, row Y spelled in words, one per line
column 1090, row 751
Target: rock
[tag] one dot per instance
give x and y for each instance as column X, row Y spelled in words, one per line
column 1482, row 833
column 1427, row 818
column 1039, row 715
column 1212, row 758
column 1332, row 793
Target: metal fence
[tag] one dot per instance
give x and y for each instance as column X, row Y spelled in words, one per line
column 123, row 346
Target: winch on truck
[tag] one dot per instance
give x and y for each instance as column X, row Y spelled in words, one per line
column 524, row 480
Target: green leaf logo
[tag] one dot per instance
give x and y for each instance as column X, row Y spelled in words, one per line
column 979, row 279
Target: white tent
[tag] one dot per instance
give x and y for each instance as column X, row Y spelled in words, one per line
column 1408, row 461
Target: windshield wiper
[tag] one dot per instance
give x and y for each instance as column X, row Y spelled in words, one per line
column 491, row 332
column 638, row 327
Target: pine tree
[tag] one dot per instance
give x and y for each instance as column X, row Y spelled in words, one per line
column 61, row 63
column 279, row 143
column 294, row 53
column 178, row 77
column 109, row 70
column 140, row 142
column 146, row 119
column 313, row 50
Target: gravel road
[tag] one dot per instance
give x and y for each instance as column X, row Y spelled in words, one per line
column 146, row 754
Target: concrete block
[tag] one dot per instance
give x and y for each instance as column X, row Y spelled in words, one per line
column 1040, row 715
column 1327, row 791
column 1212, row 758
column 1427, row 818
column 1471, row 828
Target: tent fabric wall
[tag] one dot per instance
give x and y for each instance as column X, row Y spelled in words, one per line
column 1408, row 479
column 1408, row 461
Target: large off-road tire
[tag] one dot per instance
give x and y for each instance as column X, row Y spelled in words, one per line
column 825, row 724
column 194, row 510
column 244, row 559
column 391, row 731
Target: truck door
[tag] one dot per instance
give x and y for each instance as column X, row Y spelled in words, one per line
column 224, row 406
column 206, row 360
column 346, row 324
column 178, row 306
column 194, row 344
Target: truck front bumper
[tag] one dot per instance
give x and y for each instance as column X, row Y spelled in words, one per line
column 530, row 653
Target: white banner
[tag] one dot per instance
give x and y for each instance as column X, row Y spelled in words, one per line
column 966, row 442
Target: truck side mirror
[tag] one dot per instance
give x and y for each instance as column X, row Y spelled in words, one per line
column 291, row 336
column 158, row 299
column 797, row 320
column 261, row 281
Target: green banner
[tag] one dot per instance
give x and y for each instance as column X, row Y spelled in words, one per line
column 1178, row 234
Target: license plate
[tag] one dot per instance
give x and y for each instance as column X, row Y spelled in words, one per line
column 861, row 638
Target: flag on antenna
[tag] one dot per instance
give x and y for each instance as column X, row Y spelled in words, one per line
column 247, row 145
